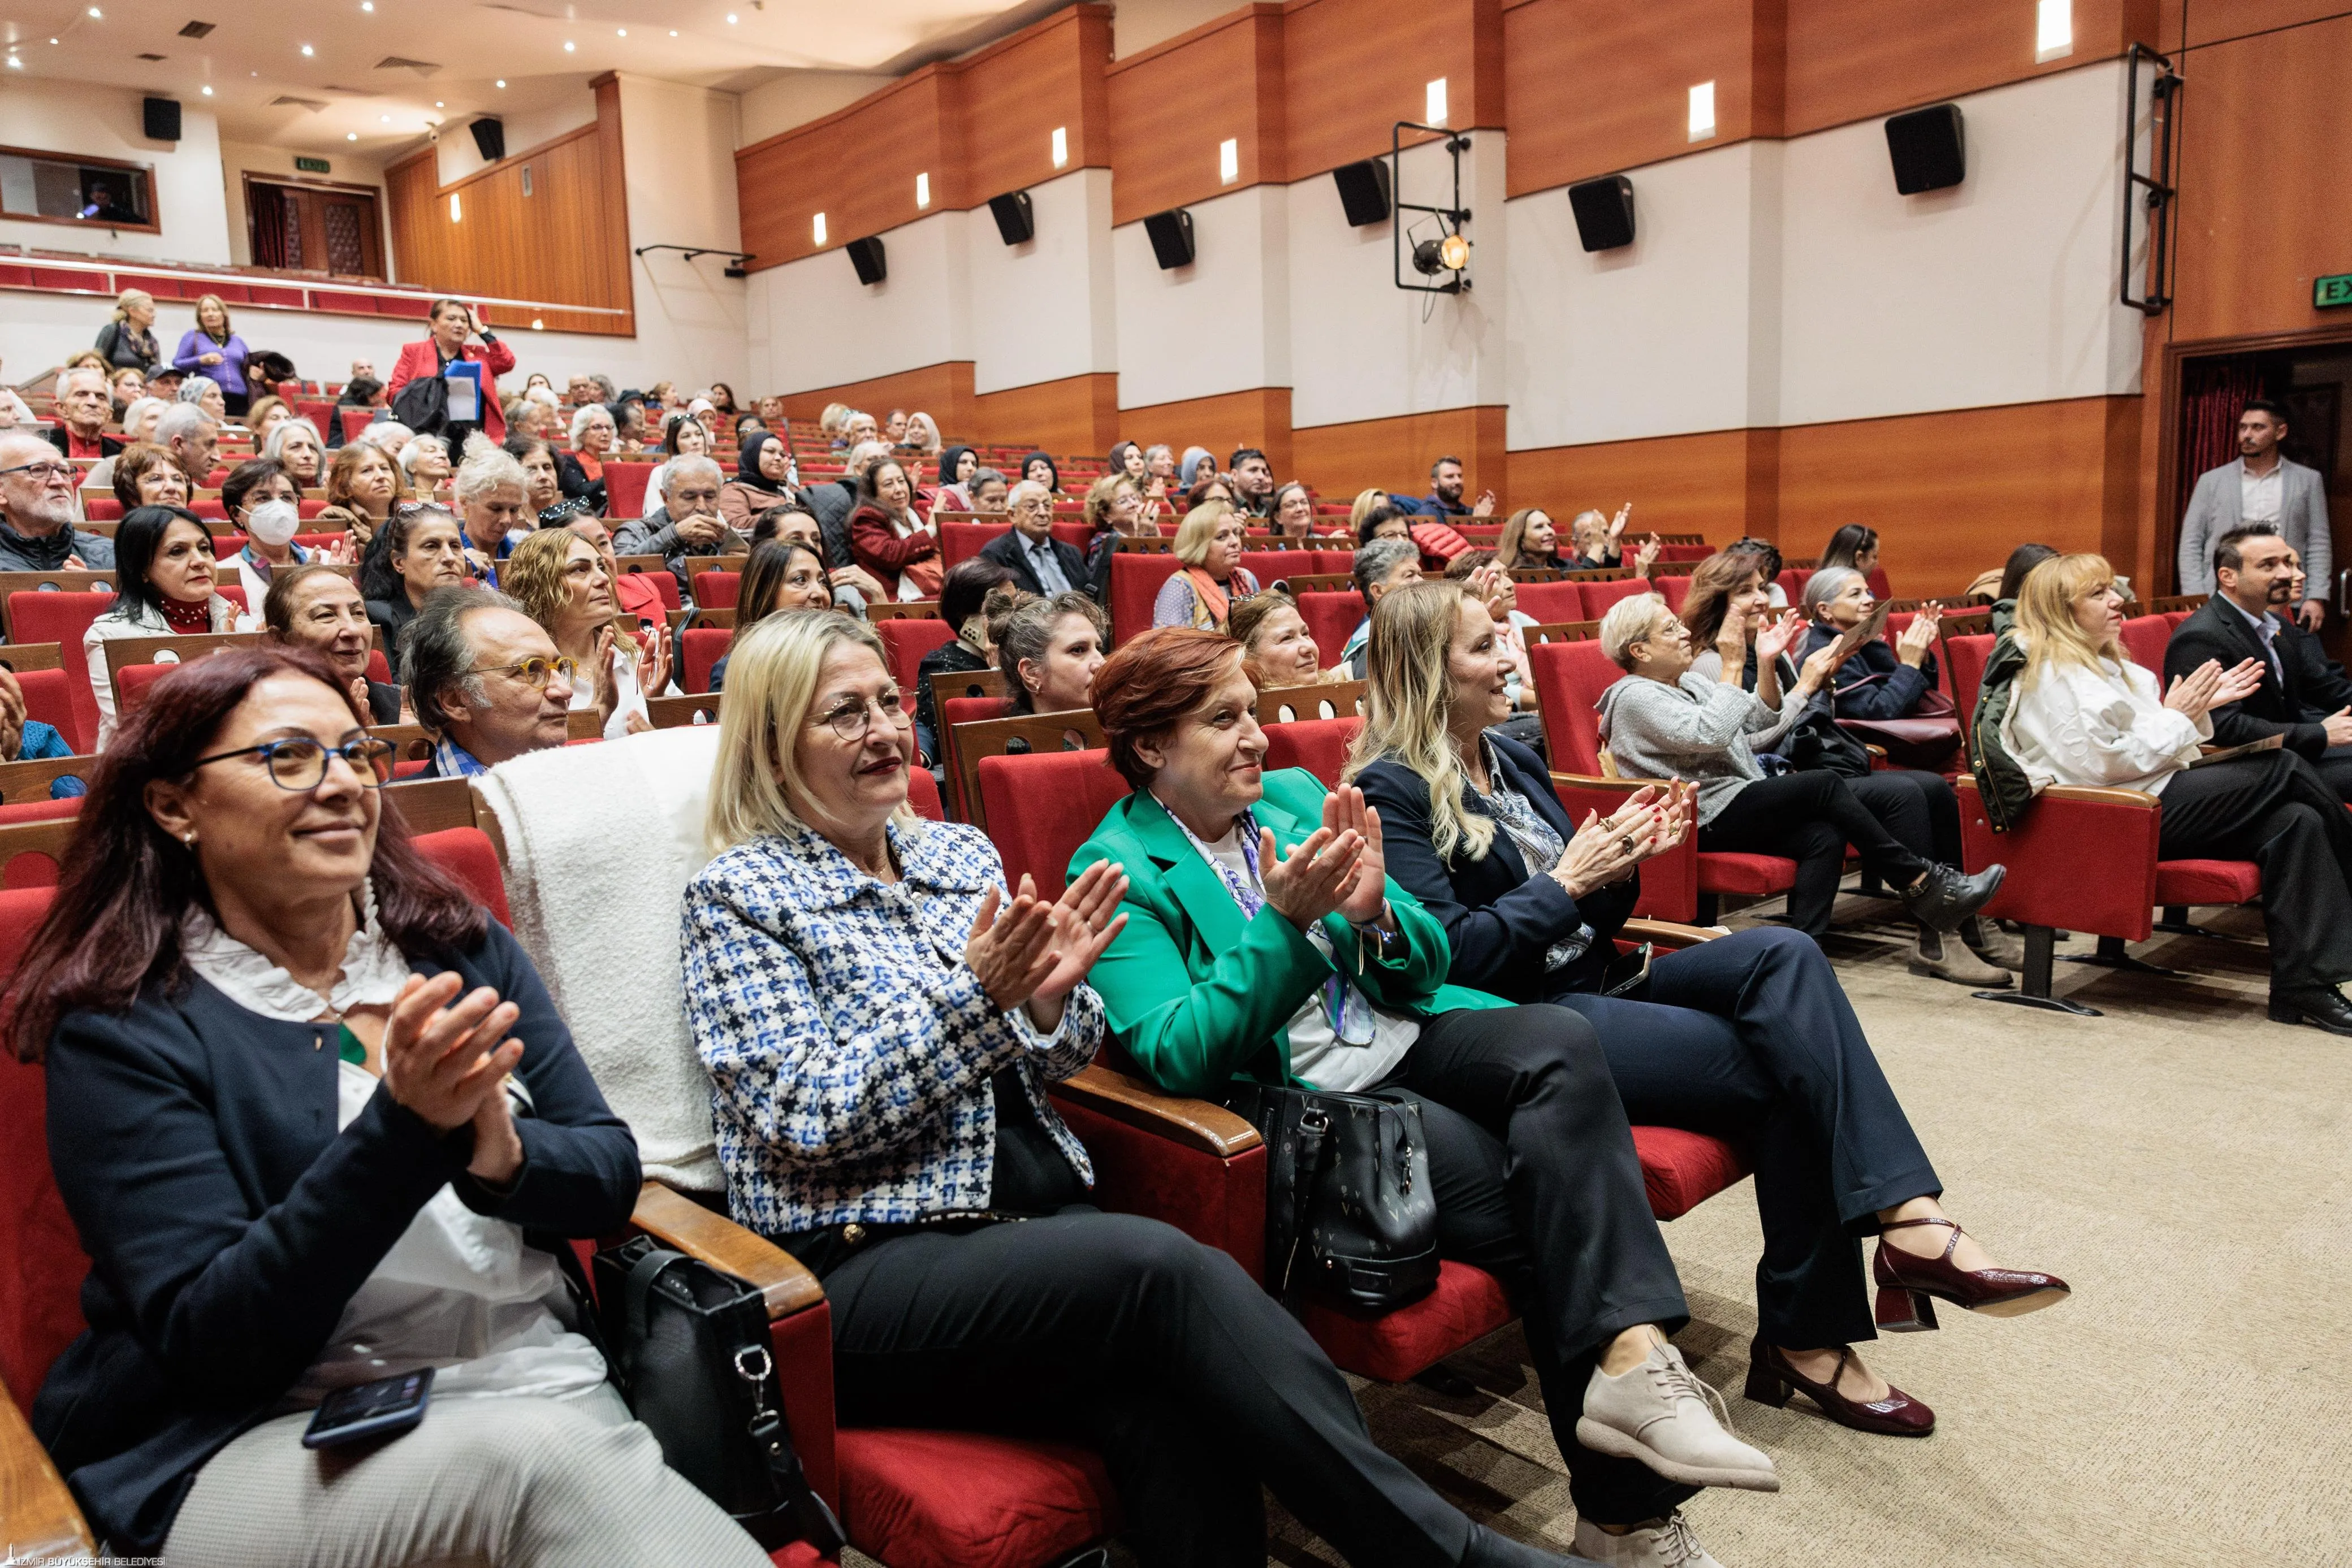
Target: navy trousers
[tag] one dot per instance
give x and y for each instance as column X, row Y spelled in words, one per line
column 1750, row 1038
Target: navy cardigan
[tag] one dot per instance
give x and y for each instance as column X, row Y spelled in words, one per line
column 228, row 1223
column 1893, row 692
column 1498, row 917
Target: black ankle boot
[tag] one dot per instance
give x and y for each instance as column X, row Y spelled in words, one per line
column 2321, row 1007
column 1945, row 897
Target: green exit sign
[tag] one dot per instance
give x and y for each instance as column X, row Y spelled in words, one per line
column 319, row 166
column 2334, row 290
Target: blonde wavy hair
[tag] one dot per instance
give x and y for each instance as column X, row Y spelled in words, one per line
column 1196, row 533
column 1364, row 502
column 2046, row 628
column 1409, row 694
column 757, row 788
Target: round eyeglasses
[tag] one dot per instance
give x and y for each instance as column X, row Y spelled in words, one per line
column 300, row 763
column 534, row 669
column 853, row 718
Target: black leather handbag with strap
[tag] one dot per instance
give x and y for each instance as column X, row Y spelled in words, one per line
column 1350, row 1211
column 688, row 1346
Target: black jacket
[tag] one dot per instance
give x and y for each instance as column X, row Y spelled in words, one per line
column 830, row 504
column 228, row 1223
column 1875, row 682
column 573, row 480
column 2317, row 679
column 384, row 702
column 2217, row 631
column 1498, row 917
column 1009, row 550
column 62, row 438
column 394, row 615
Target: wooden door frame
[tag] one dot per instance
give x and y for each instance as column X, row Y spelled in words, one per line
column 374, row 193
column 2167, row 446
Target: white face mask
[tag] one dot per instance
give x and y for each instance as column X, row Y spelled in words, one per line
column 274, row 522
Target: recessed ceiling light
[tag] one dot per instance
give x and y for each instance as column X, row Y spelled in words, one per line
column 99, row 14
column 502, row 81
column 623, row 31
column 350, row 136
column 367, row 4
column 386, row 119
column 208, row 93
column 673, row 32
column 438, row 104
column 569, row 45
column 16, row 63
column 730, row 17
column 307, row 49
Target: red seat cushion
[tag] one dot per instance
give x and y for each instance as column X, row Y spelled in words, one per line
column 923, row 795
column 1042, row 806
column 1332, row 616
column 1599, row 597
column 41, row 1259
column 467, row 855
column 1758, row 876
column 624, row 488
column 908, row 638
column 1135, row 580
column 718, row 590
column 923, row 1499
column 2207, row 882
column 131, row 684
column 1553, row 603
column 49, row 698
column 2145, row 638
column 1467, row 1306
column 1681, row 1170
column 697, row 650
column 1318, row 744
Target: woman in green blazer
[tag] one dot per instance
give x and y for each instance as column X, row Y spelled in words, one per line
column 1264, row 941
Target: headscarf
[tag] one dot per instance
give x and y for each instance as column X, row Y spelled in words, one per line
column 1190, row 470
column 1053, row 484
column 1118, row 456
column 951, row 455
column 746, row 464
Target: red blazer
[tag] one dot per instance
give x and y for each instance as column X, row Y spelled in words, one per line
column 424, row 360
column 877, row 548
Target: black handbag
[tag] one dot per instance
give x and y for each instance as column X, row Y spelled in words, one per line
column 688, row 1346
column 1350, row 1211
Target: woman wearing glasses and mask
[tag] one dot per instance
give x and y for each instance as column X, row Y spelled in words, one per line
column 317, row 1122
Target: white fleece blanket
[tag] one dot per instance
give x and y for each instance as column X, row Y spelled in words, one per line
column 601, row 843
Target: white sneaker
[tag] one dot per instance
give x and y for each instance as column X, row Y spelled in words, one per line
column 1660, row 1414
column 1665, row 1543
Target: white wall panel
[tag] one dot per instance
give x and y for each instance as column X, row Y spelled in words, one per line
column 679, row 164
column 1041, row 310
column 1999, row 291
column 1222, row 324
column 105, row 122
column 1363, row 349
column 1671, row 334
column 822, row 327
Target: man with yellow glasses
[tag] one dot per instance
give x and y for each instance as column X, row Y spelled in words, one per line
column 485, row 680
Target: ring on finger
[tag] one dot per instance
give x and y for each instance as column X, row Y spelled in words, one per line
column 1625, row 841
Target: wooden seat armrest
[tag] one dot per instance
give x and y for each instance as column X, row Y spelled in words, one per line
column 679, row 1222
column 1206, row 1126
column 43, row 1523
column 1669, row 932
column 2096, row 794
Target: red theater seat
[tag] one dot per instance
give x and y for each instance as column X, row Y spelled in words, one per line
column 49, row 699
column 1331, row 617
column 717, row 589
column 1553, row 602
column 1964, row 659
column 919, row 1498
column 1031, row 837
column 624, row 487
column 1600, row 596
column 2145, row 638
column 908, row 638
column 1318, row 744
column 1135, row 579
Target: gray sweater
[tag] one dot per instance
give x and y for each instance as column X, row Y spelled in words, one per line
column 1697, row 729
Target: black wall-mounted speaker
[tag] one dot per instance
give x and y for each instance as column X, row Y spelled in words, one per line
column 1171, row 238
column 1363, row 191
column 865, row 255
column 163, row 118
column 1016, row 220
column 490, row 137
column 1928, row 148
column 1604, row 212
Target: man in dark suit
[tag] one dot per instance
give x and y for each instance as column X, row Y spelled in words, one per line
column 1039, row 562
column 2254, row 576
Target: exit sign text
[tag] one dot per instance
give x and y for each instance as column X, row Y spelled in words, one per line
column 2333, row 290
column 319, row 166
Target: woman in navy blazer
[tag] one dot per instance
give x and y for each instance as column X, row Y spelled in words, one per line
column 279, row 1049
column 1749, row 1036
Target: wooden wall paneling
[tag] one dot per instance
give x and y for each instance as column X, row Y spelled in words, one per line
column 1357, row 66
column 1594, row 90
column 1701, row 484
column 856, row 167
column 942, row 390
column 2265, row 139
column 1222, row 423
column 1170, row 105
column 1395, row 453
column 1017, row 93
column 1952, row 493
column 1074, row 415
column 2214, row 21
column 1856, row 59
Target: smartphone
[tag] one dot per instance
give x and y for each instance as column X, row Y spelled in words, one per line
column 384, row 1408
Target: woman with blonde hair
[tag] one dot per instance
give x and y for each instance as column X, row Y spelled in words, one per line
column 265, row 414
column 562, row 583
column 1749, row 1036
column 363, row 484
column 1209, row 544
column 212, row 348
column 880, row 1016
column 1278, row 649
column 128, row 336
column 2064, row 704
column 139, row 419
column 1362, row 508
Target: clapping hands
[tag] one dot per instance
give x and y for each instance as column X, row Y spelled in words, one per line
column 1605, row 849
column 2208, row 686
column 1035, row 954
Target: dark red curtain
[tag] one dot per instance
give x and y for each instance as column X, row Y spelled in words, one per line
column 268, row 227
column 2212, row 393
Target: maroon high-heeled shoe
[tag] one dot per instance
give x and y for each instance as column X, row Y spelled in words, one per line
column 1771, row 1375
column 1908, row 1285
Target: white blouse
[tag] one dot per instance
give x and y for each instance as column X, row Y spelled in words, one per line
column 459, row 1291
column 2105, row 728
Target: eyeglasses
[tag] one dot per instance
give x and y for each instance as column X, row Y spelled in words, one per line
column 853, row 719
column 300, row 763
column 534, row 669
column 47, row 473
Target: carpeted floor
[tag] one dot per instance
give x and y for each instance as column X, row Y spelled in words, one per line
column 2183, row 1162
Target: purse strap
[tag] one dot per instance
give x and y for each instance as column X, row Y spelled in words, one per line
column 818, row 1525
column 1307, row 1166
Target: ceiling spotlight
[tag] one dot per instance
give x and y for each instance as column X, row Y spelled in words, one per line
column 308, row 50
column 386, row 117
column 367, row 4
column 94, row 11
column 730, row 17
column 673, row 32
column 1454, row 252
column 623, row 31
column 1432, row 256
column 502, row 81
column 438, row 104
column 569, row 45
column 17, row 65
column 208, row 93
column 350, row 136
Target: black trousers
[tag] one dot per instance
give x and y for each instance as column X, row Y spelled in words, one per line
column 1750, row 1038
column 1918, row 809
column 1159, row 1354
column 1809, row 818
column 2277, row 811
column 2335, row 766
column 1538, row 1183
